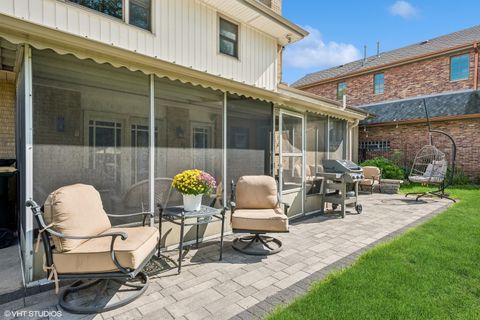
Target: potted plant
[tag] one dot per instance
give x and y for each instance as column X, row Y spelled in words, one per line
column 193, row 184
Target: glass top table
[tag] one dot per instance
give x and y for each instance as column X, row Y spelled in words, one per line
column 177, row 215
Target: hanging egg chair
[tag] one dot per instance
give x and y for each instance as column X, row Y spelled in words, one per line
column 430, row 166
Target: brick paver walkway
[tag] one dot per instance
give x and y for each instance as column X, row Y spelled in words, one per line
column 245, row 287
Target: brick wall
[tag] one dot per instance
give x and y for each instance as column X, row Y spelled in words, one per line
column 7, row 119
column 277, row 6
column 415, row 79
column 406, row 140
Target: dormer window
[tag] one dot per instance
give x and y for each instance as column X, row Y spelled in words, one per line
column 228, row 38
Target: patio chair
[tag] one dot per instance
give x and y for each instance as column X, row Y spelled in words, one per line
column 80, row 244
column 256, row 210
column 372, row 175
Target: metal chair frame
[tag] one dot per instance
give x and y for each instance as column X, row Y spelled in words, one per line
column 255, row 236
column 122, row 276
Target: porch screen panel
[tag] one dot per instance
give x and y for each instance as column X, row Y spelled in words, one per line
column 316, row 147
column 190, row 122
column 249, row 137
column 91, row 125
column 337, row 139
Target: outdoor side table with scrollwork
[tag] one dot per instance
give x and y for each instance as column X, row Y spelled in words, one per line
column 177, row 215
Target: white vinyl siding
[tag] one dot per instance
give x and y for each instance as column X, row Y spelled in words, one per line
column 184, row 32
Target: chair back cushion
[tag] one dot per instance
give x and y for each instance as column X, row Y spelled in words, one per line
column 75, row 210
column 256, row 192
column 371, row 172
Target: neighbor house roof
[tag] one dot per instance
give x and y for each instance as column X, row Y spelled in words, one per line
column 439, row 106
column 439, row 44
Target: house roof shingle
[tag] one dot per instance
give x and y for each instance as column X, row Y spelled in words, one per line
column 444, row 105
column 444, row 42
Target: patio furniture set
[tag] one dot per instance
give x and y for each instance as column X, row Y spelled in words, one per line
column 80, row 243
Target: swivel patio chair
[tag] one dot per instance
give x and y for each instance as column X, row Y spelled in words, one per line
column 256, row 210
column 372, row 175
column 80, row 244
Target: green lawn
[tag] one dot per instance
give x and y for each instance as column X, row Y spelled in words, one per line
column 431, row 272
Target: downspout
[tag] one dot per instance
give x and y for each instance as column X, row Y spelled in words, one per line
column 476, row 70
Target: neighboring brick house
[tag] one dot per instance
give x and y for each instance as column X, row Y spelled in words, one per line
column 391, row 86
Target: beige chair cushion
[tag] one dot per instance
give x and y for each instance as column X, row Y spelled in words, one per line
column 369, row 172
column 94, row 255
column 271, row 220
column 256, row 192
column 75, row 210
column 368, row 182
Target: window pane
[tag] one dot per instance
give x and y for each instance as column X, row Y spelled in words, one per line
column 227, row 47
column 459, row 67
column 228, row 29
column 111, row 7
column 140, row 13
column 105, row 140
column 249, row 137
column 341, row 88
column 378, row 83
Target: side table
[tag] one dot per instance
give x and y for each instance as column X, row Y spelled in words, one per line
column 177, row 215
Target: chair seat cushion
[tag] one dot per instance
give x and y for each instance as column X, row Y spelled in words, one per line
column 421, row 179
column 271, row 220
column 368, row 182
column 94, row 255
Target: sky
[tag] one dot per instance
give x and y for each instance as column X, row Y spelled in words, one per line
column 340, row 29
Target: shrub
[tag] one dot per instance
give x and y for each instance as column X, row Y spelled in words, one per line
column 389, row 169
column 459, row 178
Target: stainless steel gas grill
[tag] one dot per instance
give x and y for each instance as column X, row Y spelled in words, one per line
column 340, row 187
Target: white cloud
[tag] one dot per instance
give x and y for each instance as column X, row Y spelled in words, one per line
column 313, row 52
column 403, row 9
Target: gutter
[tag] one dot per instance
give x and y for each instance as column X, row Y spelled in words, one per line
column 275, row 17
column 423, row 120
column 322, row 99
column 390, row 65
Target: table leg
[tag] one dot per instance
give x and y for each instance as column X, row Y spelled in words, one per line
column 221, row 234
column 160, row 217
column 180, row 249
column 197, row 232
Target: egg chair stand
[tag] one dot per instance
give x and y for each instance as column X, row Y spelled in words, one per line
column 430, row 166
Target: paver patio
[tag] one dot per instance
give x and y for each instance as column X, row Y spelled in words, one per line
column 246, row 287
